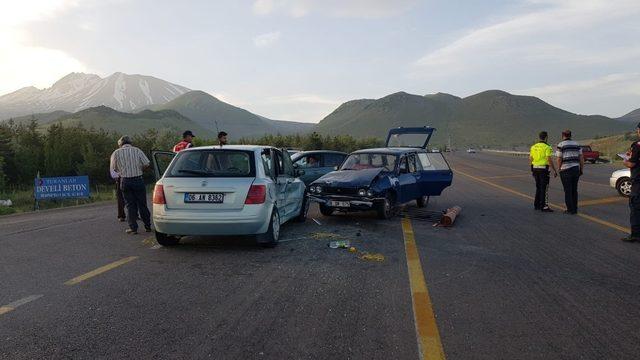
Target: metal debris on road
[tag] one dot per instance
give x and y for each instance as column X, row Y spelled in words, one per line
column 352, row 249
column 372, row 257
column 316, row 221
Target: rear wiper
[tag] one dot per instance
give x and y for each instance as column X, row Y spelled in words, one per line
column 197, row 172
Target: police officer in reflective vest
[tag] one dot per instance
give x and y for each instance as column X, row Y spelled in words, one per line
column 187, row 138
column 633, row 162
column 540, row 156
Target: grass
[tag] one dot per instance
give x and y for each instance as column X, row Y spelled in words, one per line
column 23, row 199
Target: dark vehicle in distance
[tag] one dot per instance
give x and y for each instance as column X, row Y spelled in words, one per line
column 382, row 179
column 589, row 154
column 317, row 163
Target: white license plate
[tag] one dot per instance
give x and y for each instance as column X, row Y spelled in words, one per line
column 340, row 204
column 214, row 198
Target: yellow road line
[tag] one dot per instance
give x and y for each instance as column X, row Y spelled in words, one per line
column 429, row 344
column 12, row 306
column 100, row 270
column 557, row 207
column 608, row 200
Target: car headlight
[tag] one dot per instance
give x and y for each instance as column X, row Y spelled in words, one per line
column 370, row 193
column 318, row 189
column 362, row 192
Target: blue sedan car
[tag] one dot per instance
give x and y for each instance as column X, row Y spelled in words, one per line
column 382, row 179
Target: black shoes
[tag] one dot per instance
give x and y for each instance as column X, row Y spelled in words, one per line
column 131, row 231
column 547, row 209
column 630, row 239
column 147, row 229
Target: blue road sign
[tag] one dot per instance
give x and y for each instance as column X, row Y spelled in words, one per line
column 61, row 187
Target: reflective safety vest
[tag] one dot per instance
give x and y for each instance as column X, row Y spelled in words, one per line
column 181, row 146
column 540, row 153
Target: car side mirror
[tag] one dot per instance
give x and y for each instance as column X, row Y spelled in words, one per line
column 335, row 168
column 295, row 166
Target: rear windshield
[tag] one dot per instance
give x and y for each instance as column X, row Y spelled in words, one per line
column 213, row 163
column 369, row 161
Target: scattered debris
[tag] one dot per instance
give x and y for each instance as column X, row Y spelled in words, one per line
column 372, row 257
column 450, row 216
column 316, row 221
column 325, row 235
column 340, row 244
column 352, row 249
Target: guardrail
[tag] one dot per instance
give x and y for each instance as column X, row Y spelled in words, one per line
column 508, row 152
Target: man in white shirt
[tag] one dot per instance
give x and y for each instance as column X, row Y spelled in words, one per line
column 129, row 162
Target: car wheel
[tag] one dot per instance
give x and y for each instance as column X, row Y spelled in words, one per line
column 385, row 208
column 167, row 240
column 326, row 210
column 422, row 201
column 624, row 187
column 304, row 210
column 270, row 238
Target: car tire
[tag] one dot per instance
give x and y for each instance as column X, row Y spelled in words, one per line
column 271, row 237
column 385, row 208
column 593, row 161
column 304, row 210
column 326, row 210
column 166, row 240
column 624, row 186
column 422, row 201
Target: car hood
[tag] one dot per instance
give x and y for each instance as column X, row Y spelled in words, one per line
column 349, row 178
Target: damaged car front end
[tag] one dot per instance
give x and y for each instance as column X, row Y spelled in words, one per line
column 384, row 178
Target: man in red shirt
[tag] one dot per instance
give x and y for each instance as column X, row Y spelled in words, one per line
column 187, row 138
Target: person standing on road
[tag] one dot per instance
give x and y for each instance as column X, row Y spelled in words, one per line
column 222, row 138
column 129, row 162
column 571, row 165
column 187, row 138
column 119, row 196
column 541, row 159
column 633, row 162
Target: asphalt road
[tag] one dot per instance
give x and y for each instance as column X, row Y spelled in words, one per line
column 504, row 283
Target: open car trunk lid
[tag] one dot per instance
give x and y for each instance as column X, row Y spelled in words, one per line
column 416, row 137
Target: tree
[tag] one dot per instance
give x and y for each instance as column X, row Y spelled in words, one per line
column 28, row 147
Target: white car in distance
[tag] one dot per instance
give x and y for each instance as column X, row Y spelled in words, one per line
column 230, row 190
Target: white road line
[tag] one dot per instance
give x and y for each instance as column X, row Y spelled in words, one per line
column 12, row 306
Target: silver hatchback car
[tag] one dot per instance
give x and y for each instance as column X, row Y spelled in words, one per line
column 233, row 190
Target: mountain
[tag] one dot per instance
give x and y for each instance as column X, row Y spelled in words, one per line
column 492, row 118
column 78, row 91
column 211, row 113
column 41, row 118
column 103, row 117
column 633, row 116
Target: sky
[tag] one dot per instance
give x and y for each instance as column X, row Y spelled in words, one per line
column 299, row 60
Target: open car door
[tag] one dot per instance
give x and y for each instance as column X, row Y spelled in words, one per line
column 416, row 137
column 160, row 161
column 435, row 175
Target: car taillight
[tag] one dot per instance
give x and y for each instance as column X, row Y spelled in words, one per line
column 257, row 194
column 158, row 195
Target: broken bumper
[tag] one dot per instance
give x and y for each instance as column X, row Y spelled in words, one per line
column 346, row 202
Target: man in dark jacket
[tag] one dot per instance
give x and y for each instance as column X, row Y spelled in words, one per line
column 633, row 162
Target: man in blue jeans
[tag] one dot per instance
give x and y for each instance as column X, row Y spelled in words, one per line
column 633, row 162
column 129, row 162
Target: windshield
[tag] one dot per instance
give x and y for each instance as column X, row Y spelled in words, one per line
column 213, row 163
column 369, row 161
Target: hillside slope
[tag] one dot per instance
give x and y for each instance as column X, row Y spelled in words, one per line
column 493, row 118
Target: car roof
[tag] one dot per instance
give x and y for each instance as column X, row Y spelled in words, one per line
column 390, row 150
column 230, row 147
column 302, row 153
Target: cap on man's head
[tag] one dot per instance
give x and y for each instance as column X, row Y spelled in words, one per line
column 188, row 133
column 566, row 133
column 221, row 134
